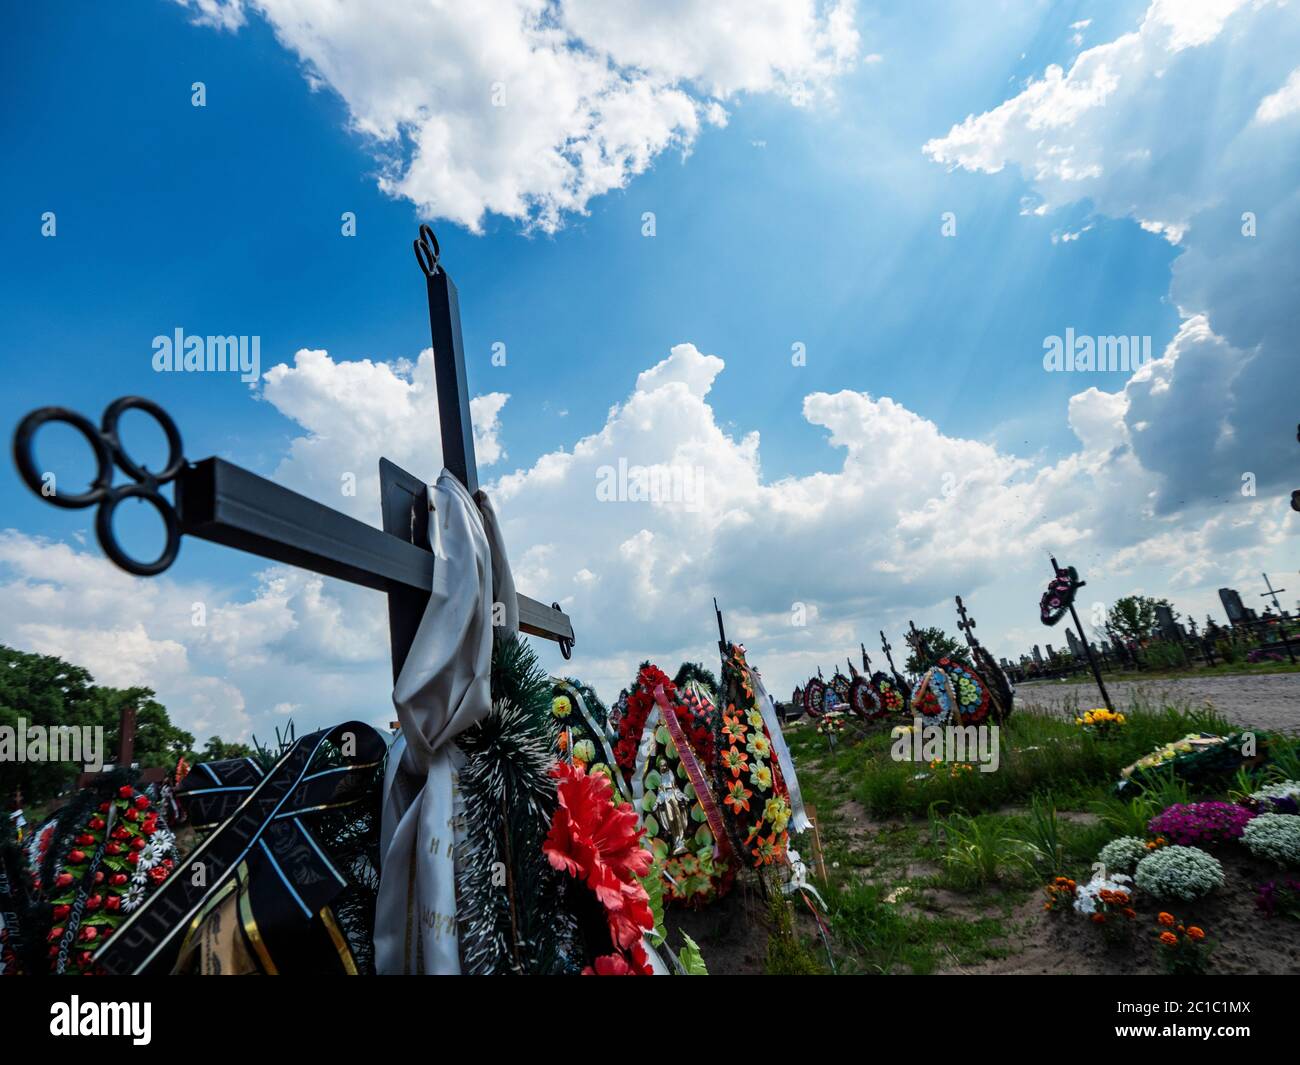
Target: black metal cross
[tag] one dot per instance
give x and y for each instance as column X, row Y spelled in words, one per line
column 887, row 648
column 919, row 645
column 966, row 624
column 1087, row 645
column 219, row 501
column 1281, row 614
column 866, row 660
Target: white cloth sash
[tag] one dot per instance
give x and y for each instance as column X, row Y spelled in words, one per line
column 444, row 688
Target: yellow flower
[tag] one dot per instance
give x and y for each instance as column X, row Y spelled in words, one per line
column 560, row 706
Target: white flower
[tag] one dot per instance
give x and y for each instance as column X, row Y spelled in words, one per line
column 149, row 857
column 133, row 897
column 1085, row 897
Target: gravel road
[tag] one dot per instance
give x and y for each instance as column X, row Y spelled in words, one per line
column 1266, row 701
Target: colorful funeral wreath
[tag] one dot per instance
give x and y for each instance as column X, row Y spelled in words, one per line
column 892, row 697
column 952, row 691
column 864, row 700
column 755, row 794
column 972, row 693
column 1199, row 757
column 814, row 697
column 934, row 698
column 1058, row 598
column 698, row 867
column 121, row 853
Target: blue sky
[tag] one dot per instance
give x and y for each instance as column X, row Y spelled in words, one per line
column 812, row 221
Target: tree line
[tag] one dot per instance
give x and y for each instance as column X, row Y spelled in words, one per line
column 47, row 691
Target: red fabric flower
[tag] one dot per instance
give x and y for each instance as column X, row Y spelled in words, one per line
column 597, row 842
column 619, row 965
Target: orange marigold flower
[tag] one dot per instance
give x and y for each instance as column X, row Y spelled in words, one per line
column 1196, row 933
column 1129, row 912
column 1168, row 939
column 1098, row 918
column 1165, row 919
column 1121, row 897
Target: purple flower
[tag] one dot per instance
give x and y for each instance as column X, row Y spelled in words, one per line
column 1201, row 822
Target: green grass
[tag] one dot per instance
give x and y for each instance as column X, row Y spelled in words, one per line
column 1038, row 754
column 882, row 937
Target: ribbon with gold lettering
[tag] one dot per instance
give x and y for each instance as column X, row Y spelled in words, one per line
column 693, row 772
column 284, row 879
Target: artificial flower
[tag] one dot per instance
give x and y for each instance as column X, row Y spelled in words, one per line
column 737, row 796
column 597, row 842
column 733, row 728
column 736, row 760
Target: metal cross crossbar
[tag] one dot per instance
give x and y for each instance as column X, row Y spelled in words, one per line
column 219, row 501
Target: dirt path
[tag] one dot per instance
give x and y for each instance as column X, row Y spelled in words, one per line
column 1267, row 701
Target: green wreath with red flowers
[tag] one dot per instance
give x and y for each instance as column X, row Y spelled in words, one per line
column 120, row 855
column 699, row 867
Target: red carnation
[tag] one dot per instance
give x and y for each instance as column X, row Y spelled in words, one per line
column 76, row 857
column 94, row 902
column 99, row 876
column 63, row 880
column 118, row 879
column 103, row 807
column 61, row 911
column 113, row 848
column 88, row 934
column 131, row 814
column 149, row 828
column 138, row 844
column 126, row 791
column 133, row 858
column 158, row 874
column 113, row 904
column 141, row 801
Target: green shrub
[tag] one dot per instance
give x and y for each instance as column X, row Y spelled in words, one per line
column 1185, row 873
column 1122, row 855
column 1275, row 837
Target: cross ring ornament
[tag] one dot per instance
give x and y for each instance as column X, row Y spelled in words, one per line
column 109, row 452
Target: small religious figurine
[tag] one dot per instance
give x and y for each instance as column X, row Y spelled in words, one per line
column 671, row 810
